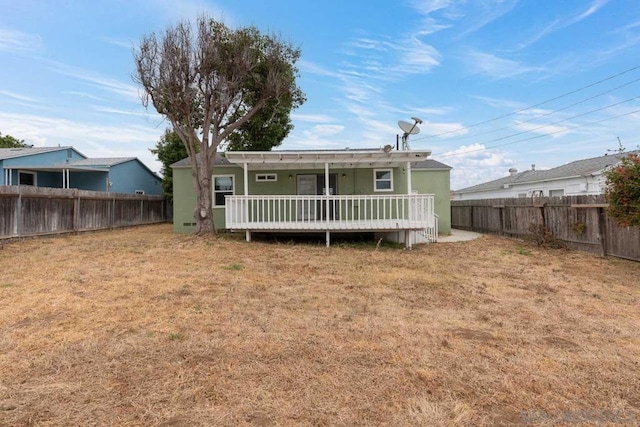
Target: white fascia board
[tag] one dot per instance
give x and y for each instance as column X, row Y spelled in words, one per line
column 278, row 159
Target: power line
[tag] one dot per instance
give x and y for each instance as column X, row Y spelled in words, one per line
column 533, row 106
column 539, row 136
column 560, row 121
column 541, row 116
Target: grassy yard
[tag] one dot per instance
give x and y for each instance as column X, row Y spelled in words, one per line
column 144, row 327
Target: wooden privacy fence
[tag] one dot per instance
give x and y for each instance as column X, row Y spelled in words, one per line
column 581, row 222
column 33, row 211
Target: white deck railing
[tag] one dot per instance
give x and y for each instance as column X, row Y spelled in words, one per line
column 332, row 213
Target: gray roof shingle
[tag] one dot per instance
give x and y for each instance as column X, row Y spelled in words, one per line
column 576, row 168
column 10, row 153
column 104, row 161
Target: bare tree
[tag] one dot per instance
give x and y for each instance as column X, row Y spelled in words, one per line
column 200, row 82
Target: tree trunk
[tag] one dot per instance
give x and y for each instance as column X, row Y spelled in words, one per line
column 203, row 213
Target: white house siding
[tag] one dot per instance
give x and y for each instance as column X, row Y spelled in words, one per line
column 577, row 186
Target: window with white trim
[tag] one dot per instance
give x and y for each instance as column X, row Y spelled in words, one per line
column 266, row 177
column 383, row 180
column 556, row 193
column 140, row 192
column 223, row 185
column 27, row 178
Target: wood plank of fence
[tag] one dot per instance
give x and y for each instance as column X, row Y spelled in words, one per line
column 32, row 211
column 579, row 221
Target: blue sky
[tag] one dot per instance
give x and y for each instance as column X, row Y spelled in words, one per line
column 66, row 66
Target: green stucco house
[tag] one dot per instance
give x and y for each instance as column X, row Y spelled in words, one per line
column 402, row 196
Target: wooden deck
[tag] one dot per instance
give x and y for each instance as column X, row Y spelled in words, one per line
column 352, row 213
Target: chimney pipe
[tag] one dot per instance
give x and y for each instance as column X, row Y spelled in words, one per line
column 533, row 167
column 513, row 171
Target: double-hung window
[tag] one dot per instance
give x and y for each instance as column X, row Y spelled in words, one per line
column 383, row 180
column 223, row 185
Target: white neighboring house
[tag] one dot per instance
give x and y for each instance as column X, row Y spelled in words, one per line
column 582, row 177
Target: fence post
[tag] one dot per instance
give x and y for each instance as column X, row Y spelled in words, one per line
column 76, row 209
column 19, row 213
column 113, row 210
column 602, row 229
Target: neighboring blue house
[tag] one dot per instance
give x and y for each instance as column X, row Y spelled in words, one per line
column 65, row 167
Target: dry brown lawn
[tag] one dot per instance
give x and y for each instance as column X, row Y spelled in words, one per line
column 144, row 327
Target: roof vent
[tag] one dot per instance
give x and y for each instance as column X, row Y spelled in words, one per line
column 533, row 167
column 513, row 171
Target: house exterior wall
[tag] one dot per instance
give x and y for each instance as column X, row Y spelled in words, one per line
column 354, row 182
column 577, row 186
column 427, row 181
column 94, row 181
column 57, row 157
column 130, row 176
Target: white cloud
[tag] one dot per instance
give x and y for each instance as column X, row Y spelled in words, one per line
column 54, row 130
column 554, row 131
column 448, row 130
column 369, row 44
column 83, row 95
column 491, row 11
column 311, row 118
column 149, row 115
column 189, row 10
column 500, row 68
column 474, row 164
column 18, row 96
column 313, row 68
column 410, row 111
column 17, row 41
column 595, row 6
column 558, row 24
column 327, row 130
column 501, row 103
column 427, row 7
column 127, row 91
column 416, row 57
column 93, row 140
column 123, row 43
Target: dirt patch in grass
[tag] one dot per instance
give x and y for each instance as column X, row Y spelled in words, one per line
column 144, row 327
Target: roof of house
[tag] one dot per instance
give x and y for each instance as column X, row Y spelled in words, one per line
column 221, row 160
column 430, row 164
column 9, row 153
column 103, row 161
column 573, row 169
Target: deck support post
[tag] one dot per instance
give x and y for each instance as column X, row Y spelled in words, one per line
column 407, row 239
column 326, row 193
column 245, row 205
column 245, row 176
column 411, row 206
column 328, row 237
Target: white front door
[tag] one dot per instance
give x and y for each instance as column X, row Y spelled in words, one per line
column 307, row 186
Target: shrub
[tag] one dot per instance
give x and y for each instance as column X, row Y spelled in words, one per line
column 542, row 236
column 623, row 191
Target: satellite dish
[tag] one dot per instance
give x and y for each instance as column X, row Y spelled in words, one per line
column 409, row 129
column 387, row 148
